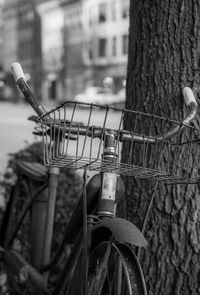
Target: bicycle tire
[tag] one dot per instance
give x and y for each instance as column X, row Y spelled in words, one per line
column 118, row 274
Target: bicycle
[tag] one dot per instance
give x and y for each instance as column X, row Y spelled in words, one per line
column 101, row 257
column 31, row 190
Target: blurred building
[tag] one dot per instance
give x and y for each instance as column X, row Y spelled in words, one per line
column 66, row 45
column 1, row 33
column 105, row 48
column 22, row 39
column 2, row 73
column 52, row 26
column 9, row 50
column 95, row 43
column 62, row 48
column 83, row 43
column 10, row 33
column 74, row 68
column 29, row 42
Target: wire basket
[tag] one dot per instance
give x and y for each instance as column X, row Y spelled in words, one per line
column 74, row 134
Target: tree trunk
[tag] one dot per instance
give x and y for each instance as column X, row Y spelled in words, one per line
column 164, row 56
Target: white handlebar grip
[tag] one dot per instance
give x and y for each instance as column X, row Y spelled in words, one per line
column 188, row 96
column 17, row 71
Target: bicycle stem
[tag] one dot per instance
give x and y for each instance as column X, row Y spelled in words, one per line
column 106, row 205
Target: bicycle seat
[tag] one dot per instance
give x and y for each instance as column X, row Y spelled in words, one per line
column 34, row 171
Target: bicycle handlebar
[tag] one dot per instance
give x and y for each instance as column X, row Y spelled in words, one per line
column 19, row 77
column 191, row 105
column 189, row 99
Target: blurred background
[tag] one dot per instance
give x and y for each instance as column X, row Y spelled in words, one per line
column 64, row 46
column 69, row 49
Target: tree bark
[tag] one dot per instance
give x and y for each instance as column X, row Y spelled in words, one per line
column 164, row 56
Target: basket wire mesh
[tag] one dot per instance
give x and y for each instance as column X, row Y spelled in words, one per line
column 74, row 135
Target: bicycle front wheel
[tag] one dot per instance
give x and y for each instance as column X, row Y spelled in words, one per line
column 114, row 269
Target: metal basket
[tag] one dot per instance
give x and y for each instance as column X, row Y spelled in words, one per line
column 77, row 145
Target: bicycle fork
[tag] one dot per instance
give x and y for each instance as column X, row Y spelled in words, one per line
column 106, row 206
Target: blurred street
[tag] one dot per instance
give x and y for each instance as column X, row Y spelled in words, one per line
column 15, row 130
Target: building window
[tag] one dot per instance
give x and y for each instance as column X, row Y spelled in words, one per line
column 52, row 89
column 26, row 14
column 30, row 15
column 91, row 16
column 102, row 47
column 113, row 10
column 125, row 44
column 125, row 8
column 90, row 52
column 102, row 12
column 114, row 46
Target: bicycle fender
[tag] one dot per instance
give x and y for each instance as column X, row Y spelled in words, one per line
column 93, row 190
column 34, row 171
column 123, row 231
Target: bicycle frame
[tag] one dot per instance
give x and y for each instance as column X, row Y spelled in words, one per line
column 105, row 190
column 42, row 196
column 102, row 190
column 42, row 221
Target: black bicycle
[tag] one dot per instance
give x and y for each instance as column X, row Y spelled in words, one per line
column 100, row 259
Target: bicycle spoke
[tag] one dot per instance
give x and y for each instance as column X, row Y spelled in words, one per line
column 117, row 274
